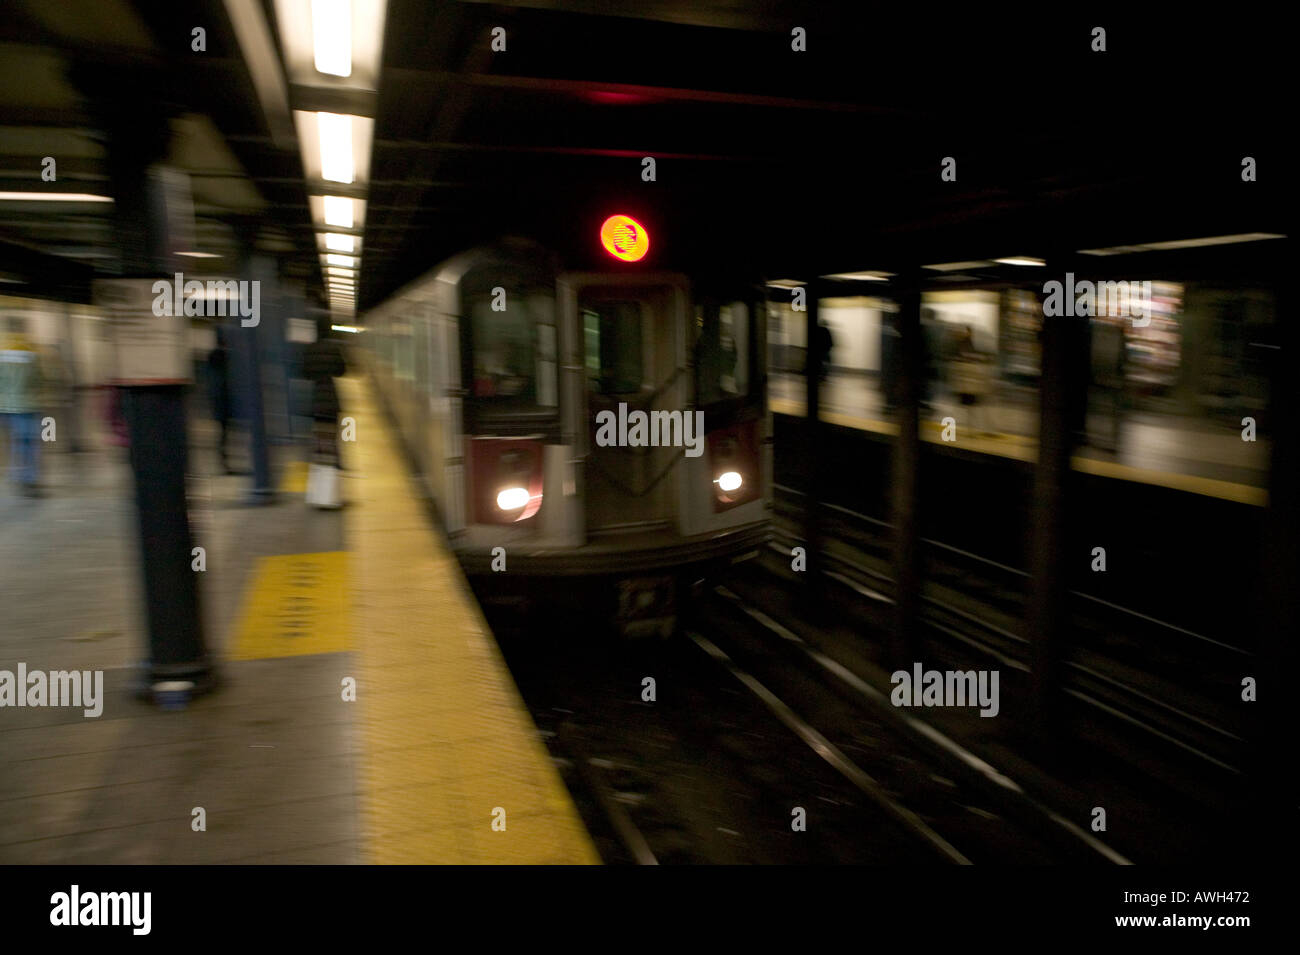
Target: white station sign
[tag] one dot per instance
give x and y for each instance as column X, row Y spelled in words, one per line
column 148, row 349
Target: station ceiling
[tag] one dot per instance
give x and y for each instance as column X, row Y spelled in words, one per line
column 766, row 158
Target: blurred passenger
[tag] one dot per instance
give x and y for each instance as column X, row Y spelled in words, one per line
column 890, row 355
column 322, row 362
column 56, row 395
column 1080, row 375
column 20, row 386
column 219, row 392
column 1108, row 354
column 932, row 331
column 824, row 344
column 488, row 367
column 969, row 373
column 118, row 432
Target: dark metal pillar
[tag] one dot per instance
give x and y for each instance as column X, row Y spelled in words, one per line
column 814, row 442
column 905, row 477
column 1278, row 613
column 1048, row 588
column 248, row 339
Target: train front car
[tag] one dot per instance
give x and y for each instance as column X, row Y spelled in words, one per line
column 665, row 388
column 606, row 430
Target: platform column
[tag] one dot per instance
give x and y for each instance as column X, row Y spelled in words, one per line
column 814, row 437
column 905, row 467
column 1278, row 612
column 248, row 335
column 1046, row 625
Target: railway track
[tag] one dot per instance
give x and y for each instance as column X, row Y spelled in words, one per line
column 757, row 717
column 746, row 758
column 1128, row 667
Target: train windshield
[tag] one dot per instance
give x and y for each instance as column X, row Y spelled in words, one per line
column 513, row 349
column 612, row 339
column 724, row 336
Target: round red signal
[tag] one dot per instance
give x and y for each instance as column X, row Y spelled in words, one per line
column 624, row 238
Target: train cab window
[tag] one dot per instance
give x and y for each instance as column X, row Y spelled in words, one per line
column 723, row 352
column 510, row 359
column 612, row 342
column 503, row 350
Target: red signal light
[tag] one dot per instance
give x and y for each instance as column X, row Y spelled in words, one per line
column 624, row 238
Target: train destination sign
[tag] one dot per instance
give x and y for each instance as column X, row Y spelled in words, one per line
column 624, row 238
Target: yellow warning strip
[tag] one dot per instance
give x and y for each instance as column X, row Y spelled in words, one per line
column 294, row 478
column 1024, row 448
column 1227, row 490
column 296, row 605
column 453, row 769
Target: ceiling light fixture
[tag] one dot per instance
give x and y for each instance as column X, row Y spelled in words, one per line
column 338, row 211
column 52, row 197
column 335, row 147
column 331, row 32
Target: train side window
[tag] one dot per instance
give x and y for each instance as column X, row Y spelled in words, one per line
column 405, row 370
column 612, row 344
column 723, row 337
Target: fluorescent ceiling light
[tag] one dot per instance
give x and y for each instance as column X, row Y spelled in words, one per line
column 1020, row 260
column 52, row 197
column 861, row 277
column 340, row 243
column 1184, row 243
column 346, row 261
column 785, row 283
column 346, row 57
column 331, row 34
column 335, row 147
column 958, row 266
column 338, row 211
column 335, row 270
column 199, row 255
column 345, row 328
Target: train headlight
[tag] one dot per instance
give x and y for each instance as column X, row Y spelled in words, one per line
column 728, row 481
column 513, row 498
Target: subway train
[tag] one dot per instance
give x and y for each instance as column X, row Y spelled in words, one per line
column 606, row 425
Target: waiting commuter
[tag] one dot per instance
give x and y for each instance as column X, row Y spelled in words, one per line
column 322, row 362
column 219, row 392
column 20, row 390
column 1108, row 354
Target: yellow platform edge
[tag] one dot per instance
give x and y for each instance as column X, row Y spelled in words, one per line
column 1023, row 448
column 453, row 769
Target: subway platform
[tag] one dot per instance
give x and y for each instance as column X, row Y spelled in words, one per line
column 364, row 715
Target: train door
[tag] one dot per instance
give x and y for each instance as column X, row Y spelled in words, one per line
column 631, row 339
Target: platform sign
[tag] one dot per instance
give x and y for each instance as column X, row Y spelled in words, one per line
column 300, row 330
column 148, row 349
